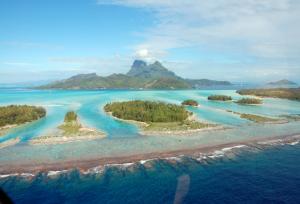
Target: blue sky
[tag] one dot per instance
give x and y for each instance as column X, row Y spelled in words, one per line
column 249, row 40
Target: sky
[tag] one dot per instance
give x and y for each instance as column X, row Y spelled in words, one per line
column 236, row 40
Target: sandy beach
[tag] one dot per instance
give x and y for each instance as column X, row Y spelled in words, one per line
column 143, row 125
column 10, row 142
column 57, row 137
column 6, row 128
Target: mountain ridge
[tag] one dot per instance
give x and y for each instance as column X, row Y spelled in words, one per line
column 282, row 82
column 140, row 76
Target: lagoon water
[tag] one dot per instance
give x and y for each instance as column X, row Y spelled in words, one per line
column 245, row 176
column 89, row 105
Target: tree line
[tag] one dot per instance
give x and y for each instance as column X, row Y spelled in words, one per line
column 18, row 114
column 147, row 111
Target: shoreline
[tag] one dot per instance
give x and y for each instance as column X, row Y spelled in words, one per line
column 58, row 137
column 6, row 128
column 143, row 125
column 50, row 140
column 10, row 142
column 86, row 165
column 182, row 133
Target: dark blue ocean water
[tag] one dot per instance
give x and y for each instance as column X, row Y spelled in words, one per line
column 271, row 175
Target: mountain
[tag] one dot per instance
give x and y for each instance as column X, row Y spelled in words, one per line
column 198, row 83
column 283, row 82
column 156, row 70
column 140, row 76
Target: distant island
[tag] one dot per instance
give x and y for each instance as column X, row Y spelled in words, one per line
column 189, row 102
column 156, row 117
column 140, row 76
column 282, row 83
column 219, row 98
column 284, row 93
column 249, row 101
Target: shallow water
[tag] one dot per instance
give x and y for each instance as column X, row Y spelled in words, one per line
column 123, row 138
column 89, row 105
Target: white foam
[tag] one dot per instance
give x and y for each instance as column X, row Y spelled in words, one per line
column 294, row 143
column 173, row 158
column 234, row 147
column 8, row 175
column 53, row 173
column 216, row 154
column 201, row 157
column 146, row 160
column 121, row 165
column 27, row 175
column 270, row 142
column 95, row 170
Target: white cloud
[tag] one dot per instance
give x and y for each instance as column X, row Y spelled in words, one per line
column 148, row 55
column 264, row 28
column 266, row 31
column 143, row 53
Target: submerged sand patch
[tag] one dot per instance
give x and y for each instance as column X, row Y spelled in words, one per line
column 69, row 132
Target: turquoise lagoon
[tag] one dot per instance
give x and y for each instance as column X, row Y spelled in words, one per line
column 124, row 138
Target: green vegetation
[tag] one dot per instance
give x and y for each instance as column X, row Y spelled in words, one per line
column 292, row 117
column 255, row 118
column 249, row 101
column 19, row 114
column 167, row 83
column 140, row 76
column 219, row 98
column 70, row 116
column 71, row 125
column 158, row 116
column 284, row 93
column 147, row 111
column 190, row 102
column 70, row 128
column 177, row 126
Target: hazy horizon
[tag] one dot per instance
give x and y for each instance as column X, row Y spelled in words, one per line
column 238, row 41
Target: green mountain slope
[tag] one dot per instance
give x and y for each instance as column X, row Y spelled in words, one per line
column 141, row 75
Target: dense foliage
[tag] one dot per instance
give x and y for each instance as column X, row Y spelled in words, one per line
column 147, row 111
column 70, row 116
column 190, row 102
column 286, row 93
column 249, row 101
column 167, row 83
column 219, row 98
column 18, row 114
